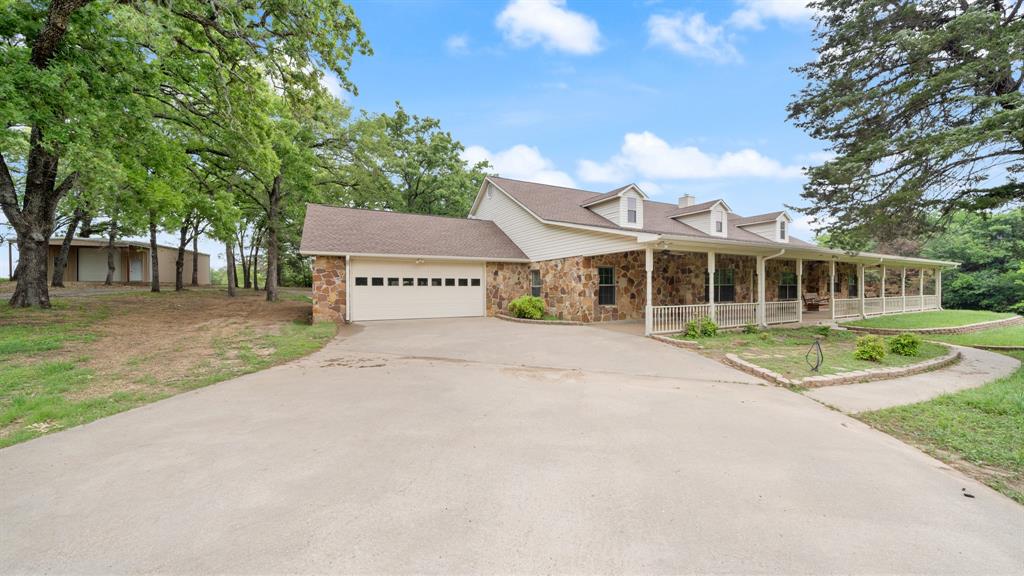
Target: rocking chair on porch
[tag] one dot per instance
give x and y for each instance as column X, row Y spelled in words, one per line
column 813, row 302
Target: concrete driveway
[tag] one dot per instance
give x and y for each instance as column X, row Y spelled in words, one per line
column 480, row 446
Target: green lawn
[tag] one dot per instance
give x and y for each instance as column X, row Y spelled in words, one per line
column 1005, row 336
column 979, row 431
column 67, row 366
column 782, row 350
column 931, row 319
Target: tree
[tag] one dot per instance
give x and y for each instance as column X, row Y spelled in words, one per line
column 922, row 104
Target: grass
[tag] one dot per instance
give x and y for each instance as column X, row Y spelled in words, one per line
column 67, row 366
column 931, row 319
column 1005, row 336
column 783, row 350
column 979, row 431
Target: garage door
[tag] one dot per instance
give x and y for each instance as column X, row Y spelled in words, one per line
column 92, row 264
column 400, row 289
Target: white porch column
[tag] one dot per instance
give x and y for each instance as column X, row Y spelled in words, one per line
column 649, row 306
column 920, row 288
column 903, row 287
column 938, row 288
column 799, row 289
column 832, row 288
column 711, row 286
column 860, row 287
column 760, row 291
column 883, row 290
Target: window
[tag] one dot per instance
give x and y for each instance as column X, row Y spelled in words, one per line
column 407, row 281
column 787, row 286
column 725, row 285
column 837, row 286
column 606, row 286
column 435, row 281
column 463, row 281
column 377, row 281
column 474, row 282
column 360, row 280
column 449, row 281
column 782, row 229
column 421, row 282
column 535, row 282
column 718, row 225
column 392, row 281
column 852, row 284
column 631, row 210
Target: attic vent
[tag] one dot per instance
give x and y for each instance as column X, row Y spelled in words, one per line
column 686, row 200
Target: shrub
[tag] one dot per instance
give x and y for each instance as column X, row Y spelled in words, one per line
column 824, row 330
column 526, row 306
column 751, row 329
column 701, row 328
column 905, row 344
column 870, row 348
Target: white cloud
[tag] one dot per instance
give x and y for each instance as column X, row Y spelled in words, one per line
column 548, row 23
column 329, row 80
column 753, row 13
column 646, row 155
column 692, row 36
column 520, row 162
column 457, row 44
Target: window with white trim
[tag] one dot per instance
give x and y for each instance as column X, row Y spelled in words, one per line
column 631, row 210
column 782, row 229
column 606, row 286
column 535, row 282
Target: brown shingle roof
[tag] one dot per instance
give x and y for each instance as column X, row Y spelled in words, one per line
column 337, row 230
column 696, row 208
column 759, row 218
column 606, row 196
column 560, row 204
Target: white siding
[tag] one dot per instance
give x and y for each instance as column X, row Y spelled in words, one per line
column 701, row 221
column 718, row 215
column 541, row 241
column 608, row 210
column 769, row 230
column 624, row 207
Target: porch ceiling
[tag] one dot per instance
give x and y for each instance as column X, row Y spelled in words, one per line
column 794, row 252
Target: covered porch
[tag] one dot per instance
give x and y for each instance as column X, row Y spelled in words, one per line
column 780, row 287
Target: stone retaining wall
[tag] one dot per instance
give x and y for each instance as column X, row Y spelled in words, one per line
column 966, row 329
column 843, row 377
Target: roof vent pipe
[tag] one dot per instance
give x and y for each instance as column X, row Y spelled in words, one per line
column 686, row 200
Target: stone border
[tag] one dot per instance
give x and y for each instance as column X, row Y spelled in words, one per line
column 994, row 348
column 690, row 344
column 532, row 321
column 844, row 377
column 965, row 329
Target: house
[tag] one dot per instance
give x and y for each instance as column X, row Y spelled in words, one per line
column 87, row 261
column 596, row 257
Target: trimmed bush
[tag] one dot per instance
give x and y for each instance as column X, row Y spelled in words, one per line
column 751, row 329
column 701, row 328
column 870, row 347
column 530, row 307
column 905, row 344
column 824, row 330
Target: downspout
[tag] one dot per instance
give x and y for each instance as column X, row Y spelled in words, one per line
column 348, row 292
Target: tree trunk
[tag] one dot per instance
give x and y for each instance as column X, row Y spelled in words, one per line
column 61, row 260
column 154, row 255
column 111, row 234
column 247, row 280
column 255, row 270
column 31, row 274
column 272, row 279
column 195, row 254
column 229, row 254
column 179, row 262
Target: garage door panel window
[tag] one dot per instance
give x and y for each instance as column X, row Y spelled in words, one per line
column 474, row 282
column 361, row 281
column 435, row 281
column 422, row 281
column 392, row 281
column 449, row 281
column 407, row 281
column 378, row 281
column 463, row 281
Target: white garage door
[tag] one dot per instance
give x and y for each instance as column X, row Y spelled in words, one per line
column 399, row 289
column 92, row 264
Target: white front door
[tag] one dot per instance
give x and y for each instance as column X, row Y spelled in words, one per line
column 385, row 289
column 135, row 268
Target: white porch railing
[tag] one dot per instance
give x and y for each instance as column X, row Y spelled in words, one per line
column 674, row 318
column 930, row 302
column 780, row 312
column 893, row 305
column 873, row 306
column 846, row 307
column 730, row 315
column 913, row 303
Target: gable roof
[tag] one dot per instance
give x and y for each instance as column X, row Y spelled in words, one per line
column 333, row 230
column 609, row 195
column 702, row 207
column 564, row 205
column 769, row 217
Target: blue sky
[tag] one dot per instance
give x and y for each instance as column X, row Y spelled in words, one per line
column 680, row 97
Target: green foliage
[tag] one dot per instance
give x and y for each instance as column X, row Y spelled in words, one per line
column 823, row 330
column 527, row 306
column 905, row 344
column 870, row 347
column 921, row 102
column 701, row 328
column 751, row 329
column 990, row 248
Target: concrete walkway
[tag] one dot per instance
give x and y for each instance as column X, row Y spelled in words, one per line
column 977, row 367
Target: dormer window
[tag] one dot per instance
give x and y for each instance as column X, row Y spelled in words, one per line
column 782, row 229
column 718, row 226
column 631, row 210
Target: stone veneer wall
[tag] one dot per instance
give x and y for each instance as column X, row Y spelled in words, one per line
column 506, row 281
column 329, row 289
